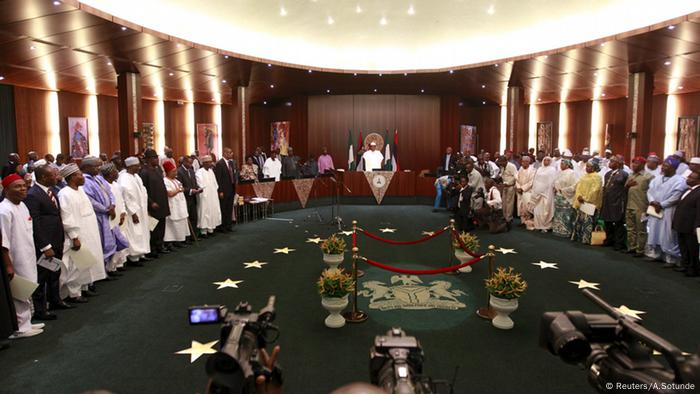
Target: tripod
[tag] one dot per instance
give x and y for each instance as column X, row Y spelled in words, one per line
column 337, row 218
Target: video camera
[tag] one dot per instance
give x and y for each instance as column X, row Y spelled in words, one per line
column 234, row 368
column 618, row 351
column 396, row 365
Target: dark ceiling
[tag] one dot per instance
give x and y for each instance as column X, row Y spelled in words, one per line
column 41, row 35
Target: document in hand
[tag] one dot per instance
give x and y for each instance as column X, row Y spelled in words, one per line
column 588, row 208
column 83, row 258
column 50, row 263
column 651, row 211
column 152, row 223
column 22, row 288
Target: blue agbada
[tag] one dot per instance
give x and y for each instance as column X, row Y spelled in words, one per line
column 101, row 197
column 667, row 191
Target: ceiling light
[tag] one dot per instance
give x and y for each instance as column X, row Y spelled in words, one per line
column 375, row 90
column 411, row 10
column 225, row 56
column 283, row 12
column 461, row 104
column 602, row 94
column 330, row 20
column 272, row 86
column 383, row 21
column 310, row 71
column 405, row 74
column 264, row 102
column 328, row 90
column 269, row 65
column 680, row 88
column 32, row 47
column 495, row 65
column 224, row 81
column 109, row 63
column 358, row 9
column 422, row 90
column 491, row 10
column 483, row 86
column 603, row 44
column 123, row 28
column 483, row 102
column 669, row 28
column 380, row 74
column 667, row 63
column 171, row 74
column 354, row 74
column 452, row 71
column 1, row 77
column 56, row 2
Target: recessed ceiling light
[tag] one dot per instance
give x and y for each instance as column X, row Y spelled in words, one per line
column 422, row 90
column 269, row 65
column 265, row 102
column 358, row 9
column 283, row 12
column 483, row 86
column 411, row 10
column 380, row 74
column 1, row 77
column 671, row 27
column 109, row 63
column 56, row 2
column 225, row 56
column 328, row 90
column 383, row 21
column 32, row 47
column 405, row 74
column 330, row 20
column 603, row 44
column 224, row 81
column 272, row 86
column 354, row 74
column 680, row 88
column 171, row 74
column 452, row 71
column 123, row 28
column 495, row 65
column 491, row 10
column 483, row 102
column 375, row 90
column 310, row 71
column 667, row 63
column 602, row 94
column 461, row 104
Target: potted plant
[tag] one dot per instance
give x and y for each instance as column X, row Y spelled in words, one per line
column 334, row 285
column 472, row 243
column 505, row 287
column 333, row 249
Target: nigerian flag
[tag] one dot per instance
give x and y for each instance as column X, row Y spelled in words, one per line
column 387, row 152
column 351, row 153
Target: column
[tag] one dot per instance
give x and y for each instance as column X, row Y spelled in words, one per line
column 130, row 116
column 639, row 109
column 516, row 120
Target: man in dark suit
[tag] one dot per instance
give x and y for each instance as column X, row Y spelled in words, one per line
column 447, row 165
column 152, row 176
column 186, row 176
column 686, row 220
column 464, row 216
column 614, row 204
column 42, row 202
column 226, row 172
column 259, row 157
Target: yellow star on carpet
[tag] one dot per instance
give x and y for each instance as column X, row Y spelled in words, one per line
column 228, row 283
column 544, row 265
column 198, row 349
column 506, row 251
column 346, row 233
column 582, row 284
column 629, row 312
column 428, row 233
column 254, row 264
column 387, row 230
column 313, row 240
column 284, row 250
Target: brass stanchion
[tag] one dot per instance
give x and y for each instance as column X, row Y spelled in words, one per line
column 452, row 247
column 487, row 312
column 360, row 273
column 355, row 315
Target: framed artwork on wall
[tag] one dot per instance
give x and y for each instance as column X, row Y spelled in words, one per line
column 78, row 137
column 688, row 129
column 544, row 137
column 468, row 139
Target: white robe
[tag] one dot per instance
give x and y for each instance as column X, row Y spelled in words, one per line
column 135, row 202
column 656, row 172
column 272, row 168
column 18, row 239
column 543, row 197
column 79, row 221
column 524, row 181
column 208, row 209
column 119, row 258
column 176, row 226
column 373, row 160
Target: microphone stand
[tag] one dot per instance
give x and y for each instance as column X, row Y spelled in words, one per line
column 335, row 207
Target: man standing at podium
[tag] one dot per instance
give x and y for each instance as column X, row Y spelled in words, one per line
column 373, row 158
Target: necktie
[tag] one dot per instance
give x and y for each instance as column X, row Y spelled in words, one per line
column 230, row 169
column 52, row 197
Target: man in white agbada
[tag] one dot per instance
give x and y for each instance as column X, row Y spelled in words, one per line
column 542, row 199
column 82, row 232
column 136, row 204
column 110, row 174
column 523, row 186
column 177, row 227
column 272, row 168
column 18, row 252
column 208, row 209
column 373, row 158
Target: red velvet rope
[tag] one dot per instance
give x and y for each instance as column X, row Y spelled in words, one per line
column 455, row 235
column 389, row 241
column 420, row 272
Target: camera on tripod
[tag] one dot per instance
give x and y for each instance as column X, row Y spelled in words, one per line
column 234, row 368
column 618, row 351
column 396, row 365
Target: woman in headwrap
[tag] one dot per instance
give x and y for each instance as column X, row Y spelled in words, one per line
column 564, row 190
column 542, row 200
column 588, row 190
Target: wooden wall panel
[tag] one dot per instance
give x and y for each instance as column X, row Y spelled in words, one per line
column 488, row 125
column 231, row 132
column 175, row 127
column 108, row 108
column 658, row 126
column 32, row 117
column 614, row 113
column 418, row 123
column 330, row 118
column 451, row 117
column 149, row 115
column 579, row 125
column 374, row 113
column 71, row 105
column 259, row 132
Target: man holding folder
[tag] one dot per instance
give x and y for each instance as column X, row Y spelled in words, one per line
column 18, row 253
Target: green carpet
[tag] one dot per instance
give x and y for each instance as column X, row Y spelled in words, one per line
column 125, row 339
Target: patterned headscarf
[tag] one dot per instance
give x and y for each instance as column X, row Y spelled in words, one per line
column 673, row 161
column 595, row 162
column 567, row 162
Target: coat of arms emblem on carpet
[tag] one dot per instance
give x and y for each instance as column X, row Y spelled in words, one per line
column 409, row 292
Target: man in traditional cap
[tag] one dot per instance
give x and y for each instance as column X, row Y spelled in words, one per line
column 208, row 209
column 273, row 166
column 664, row 193
column 652, row 167
column 507, row 175
column 158, row 208
column 136, row 205
column 18, row 254
column 373, row 158
column 637, row 203
column 42, row 202
column 109, row 175
column 226, row 172
column 82, row 231
column 188, row 179
column 682, row 166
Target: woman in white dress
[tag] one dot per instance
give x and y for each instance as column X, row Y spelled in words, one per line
column 542, row 200
column 176, row 225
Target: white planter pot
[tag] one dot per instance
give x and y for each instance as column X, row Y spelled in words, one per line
column 333, row 260
column 463, row 257
column 503, row 308
column 335, row 305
